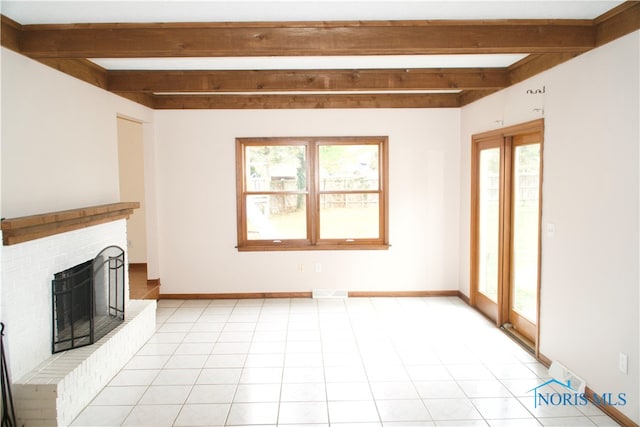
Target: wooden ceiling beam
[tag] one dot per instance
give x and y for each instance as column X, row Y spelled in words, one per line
column 469, row 96
column 520, row 71
column 310, row 38
column 617, row 22
column 535, row 64
column 82, row 69
column 10, row 33
column 548, row 43
column 146, row 99
column 307, row 80
column 306, row 101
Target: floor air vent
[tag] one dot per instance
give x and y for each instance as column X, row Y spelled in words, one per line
column 565, row 376
column 330, row 293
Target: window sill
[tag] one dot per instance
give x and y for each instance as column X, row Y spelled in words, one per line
column 325, row 247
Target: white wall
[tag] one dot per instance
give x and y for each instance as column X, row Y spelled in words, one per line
column 590, row 276
column 59, row 136
column 59, row 151
column 150, row 192
column 1, row 237
column 132, row 185
column 197, row 203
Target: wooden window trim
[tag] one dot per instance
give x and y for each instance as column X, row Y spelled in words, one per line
column 313, row 240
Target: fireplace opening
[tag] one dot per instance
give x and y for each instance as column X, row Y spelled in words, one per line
column 88, row 300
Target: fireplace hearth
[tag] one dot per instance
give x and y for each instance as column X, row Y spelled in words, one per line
column 52, row 389
column 88, row 300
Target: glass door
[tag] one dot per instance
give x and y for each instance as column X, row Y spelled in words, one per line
column 505, row 227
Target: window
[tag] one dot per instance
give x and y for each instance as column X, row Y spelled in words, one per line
column 312, row 193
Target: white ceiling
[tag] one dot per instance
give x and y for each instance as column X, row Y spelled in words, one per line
column 311, row 62
column 86, row 11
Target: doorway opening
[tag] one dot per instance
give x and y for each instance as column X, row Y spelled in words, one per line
column 132, row 188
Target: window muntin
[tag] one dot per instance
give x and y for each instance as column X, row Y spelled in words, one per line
column 312, row 193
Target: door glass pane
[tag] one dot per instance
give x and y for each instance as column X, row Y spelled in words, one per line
column 349, row 216
column 276, row 217
column 489, row 199
column 526, row 181
column 275, row 168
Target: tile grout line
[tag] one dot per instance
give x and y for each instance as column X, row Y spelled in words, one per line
column 379, row 337
column 413, row 382
column 173, row 354
column 283, row 361
column 373, row 397
column 244, row 364
column 324, row 367
column 404, row 366
column 147, row 387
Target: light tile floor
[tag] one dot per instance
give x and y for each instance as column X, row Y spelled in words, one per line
column 360, row 362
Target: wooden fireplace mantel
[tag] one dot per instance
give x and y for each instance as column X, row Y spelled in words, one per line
column 26, row 228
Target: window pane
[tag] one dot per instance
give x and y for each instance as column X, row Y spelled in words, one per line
column 348, row 167
column 526, row 177
column 276, row 217
column 488, row 223
column 349, row 216
column 275, row 168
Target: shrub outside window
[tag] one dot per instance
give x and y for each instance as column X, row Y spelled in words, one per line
column 312, row 193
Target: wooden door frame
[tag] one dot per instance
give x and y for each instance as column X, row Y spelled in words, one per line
column 505, row 135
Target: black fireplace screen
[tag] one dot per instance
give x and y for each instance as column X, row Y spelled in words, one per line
column 88, row 300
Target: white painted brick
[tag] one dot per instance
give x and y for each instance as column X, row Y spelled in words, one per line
column 52, row 389
column 27, row 270
column 30, row 404
column 90, row 374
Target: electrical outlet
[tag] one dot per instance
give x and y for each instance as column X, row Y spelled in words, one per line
column 623, row 363
column 551, row 229
column 318, row 267
column 301, row 268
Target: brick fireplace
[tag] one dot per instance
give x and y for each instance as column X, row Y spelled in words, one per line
column 51, row 389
